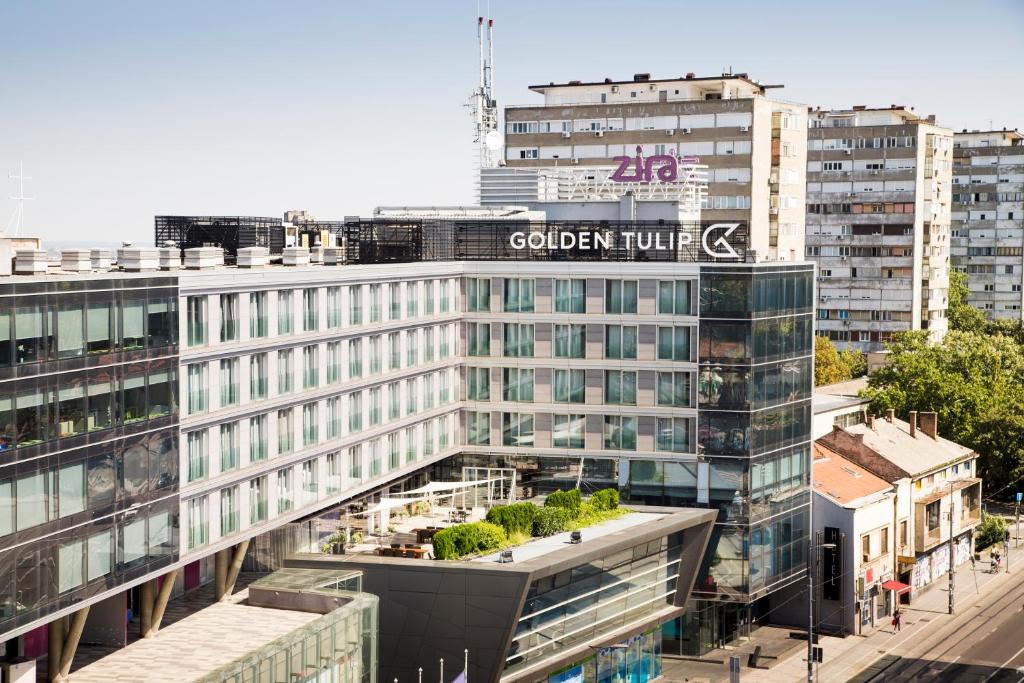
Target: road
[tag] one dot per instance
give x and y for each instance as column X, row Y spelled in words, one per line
column 983, row 643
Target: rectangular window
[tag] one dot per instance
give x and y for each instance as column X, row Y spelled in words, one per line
column 428, row 344
column 285, row 307
column 674, row 297
column 518, row 295
column 412, row 355
column 355, row 412
column 674, row 389
column 518, row 340
column 229, row 522
column 284, row 371
column 310, row 310
column 228, row 446
column 375, row 406
column 71, row 491
column 517, row 429
column 570, row 296
column 375, row 458
column 412, row 302
column 394, row 453
column 570, row 341
column 196, row 314
column 257, row 315
column 70, row 566
column 355, row 305
column 394, row 351
column 310, row 367
column 101, row 551
column 258, row 438
column 674, row 343
column 228, row 317
column 310, row 490
column 620, row 296
column 444, row 341
column 478, row 336
column 569, row 386
column 333, row 308
column 355, row 358
column 444, row 388
column 619, row 433
column 517, row 384
column 333, row 362
column 478, row 294
column 257, row 500
column 567, row 431
column 428, row 438
column 310, row 425
column 444, row 302
column 394, row 401
column 411, row 452
column 198, row 522
column 673, row 434
column 284, row 490
column 32, row 506
column 428, row 297
column 411, row 396
column 394, row 301
column 355, row 463
column 478, row 384
column 376, row 312
column 228, row 382
column 285, row 431
column 619, row 387
column 620, row 341
column 478, row 428
column 428, row 391
column 196, row 388
column 333, row 483
column 333, row 417
column 257, row 376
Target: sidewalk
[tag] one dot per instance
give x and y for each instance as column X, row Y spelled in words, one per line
column 846, row 657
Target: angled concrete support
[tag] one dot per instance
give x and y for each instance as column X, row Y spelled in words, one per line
column 161, row 603
column 146, row 597
column 54, row 653
column 63, row 643
column 71, row 641
column 237, row 556
column 220, row 572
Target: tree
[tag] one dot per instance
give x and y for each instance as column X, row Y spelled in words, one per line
column 856, row 363
column 960, row 314
column 828, row 366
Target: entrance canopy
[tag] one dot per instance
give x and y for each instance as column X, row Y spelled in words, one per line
column 900, row 588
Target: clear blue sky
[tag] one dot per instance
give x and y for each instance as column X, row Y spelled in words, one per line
column 123, row 110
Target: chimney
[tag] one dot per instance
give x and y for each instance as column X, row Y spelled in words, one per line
column 913, row 423
column 930, row 424
column 890, row 414
column 870, row 421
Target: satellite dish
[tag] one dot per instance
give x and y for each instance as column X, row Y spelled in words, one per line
column 493, row 140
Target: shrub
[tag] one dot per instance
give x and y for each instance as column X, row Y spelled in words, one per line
column 569, row 500
column 550, row 520
column 992, row 530
column 514, row 518
column 605, row 499
column 465, row 539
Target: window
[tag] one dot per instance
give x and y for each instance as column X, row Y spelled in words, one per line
column 568, row 386
column 394, row 454
column 620, row 341
column 428, row 344
column 333, row 362
column 428, row 297
column 478, row 336
column 394, row 351
column 444, row 303
column 517, row 429
column 567, row 431
column 570, row 341
column 310, row 367
column 865, row 545
column 394, row 301
column 619, row 433
column 674, row 343
column 285, row 431
column 71, row 491
column 100, row 550
column 284, row 490
column 257, row 500
column 355, row 411
column 410, row 445
column 518, row 295
column 883, row 539
column 333, row 308
column 310, row 310
column 411, row 396
column 444, row 333
column 394, row 401
column 310, row 425
column 285, row 305
column 228, row 317
column 412, row 303
column 258, row 438
column 229, row 511
column 196, row 389
column 196, row 314
column 257, row 376
column 620, row 296
column 478, row 384
column 428, row 391
column 673, row 434
column 444, row 388
column 478, row 294
column 518, row 340
column 375, row 304
column 228, row 446
column 228, row 382
column 517, row 384
column 412, row 354
column 333, row 418
column 198, row 522
column 903, row 533
column 375, row 406
column 478, row 428
column 355, row 358
column 284, row 371
column 428, row 438
column 674, row 389
column 32, row 506
column 570, row 296
column 674, row 297
column 333, row 466
column 70, row 566
column 355, row 463
column 931, row 511
column 98, row 334
column 309, row 482
column 375, row 458
column 355, row 305
column 619, row 387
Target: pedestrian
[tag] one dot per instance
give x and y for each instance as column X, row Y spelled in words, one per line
column 897, row 620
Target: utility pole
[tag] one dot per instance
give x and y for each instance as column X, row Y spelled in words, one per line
column 811, row 557
column 952, row 556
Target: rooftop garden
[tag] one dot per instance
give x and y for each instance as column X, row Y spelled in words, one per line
column 511, row 525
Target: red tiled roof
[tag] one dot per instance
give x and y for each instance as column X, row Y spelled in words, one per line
column 842, row 480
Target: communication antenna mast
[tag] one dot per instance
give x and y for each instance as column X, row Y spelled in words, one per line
column 484, row 108
column 18, row 217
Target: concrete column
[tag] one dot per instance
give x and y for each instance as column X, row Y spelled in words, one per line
column 220, row 572
column 71, row 642
column 161, row 602
column 55, row 651
column 146, row 597
column 236, row 566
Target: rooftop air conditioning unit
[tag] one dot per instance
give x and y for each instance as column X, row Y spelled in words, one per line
column 670, row 131
column 599, row 133
column 875, row 172
column 575, row 160
column 847, row 152
column 842, row 237
column 566, row 134
column 615, row 88
column 686, row 131
column 744, row 129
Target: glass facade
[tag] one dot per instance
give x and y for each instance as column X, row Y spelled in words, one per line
column 88, row 428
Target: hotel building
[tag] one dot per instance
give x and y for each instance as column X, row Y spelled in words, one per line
column 878, row 217
column 987, row 241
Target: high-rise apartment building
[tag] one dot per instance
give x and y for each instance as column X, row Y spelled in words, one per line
column 754, row 147
column 987, row 242
column 878, row 223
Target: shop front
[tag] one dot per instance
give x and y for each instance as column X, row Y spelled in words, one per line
column 635, row 660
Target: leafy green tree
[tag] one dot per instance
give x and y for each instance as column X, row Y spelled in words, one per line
column 960, row 314
column 829, row 367
column 856, row 363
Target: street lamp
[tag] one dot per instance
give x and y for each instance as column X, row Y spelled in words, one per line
column 811, row 568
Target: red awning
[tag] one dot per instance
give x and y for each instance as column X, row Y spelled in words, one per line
column 900, row 588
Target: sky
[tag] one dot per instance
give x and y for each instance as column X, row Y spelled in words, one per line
column 122, row 110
